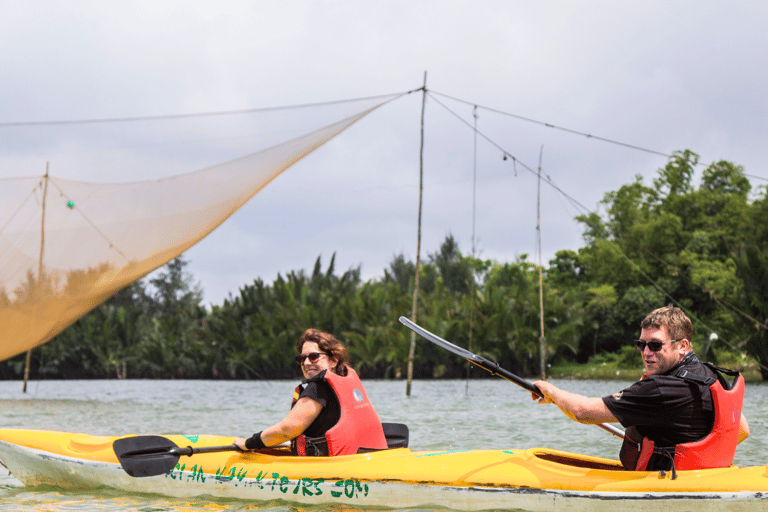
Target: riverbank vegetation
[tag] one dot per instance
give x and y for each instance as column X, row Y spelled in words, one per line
column 701, row 246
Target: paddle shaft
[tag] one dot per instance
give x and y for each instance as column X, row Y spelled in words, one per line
column 490, row 366
column 189, row 451
column 495, row 369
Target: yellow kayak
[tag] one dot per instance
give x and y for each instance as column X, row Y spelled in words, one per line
column 536, row 479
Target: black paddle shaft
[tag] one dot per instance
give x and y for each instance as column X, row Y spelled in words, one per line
column 480, row 361
column 488, row 365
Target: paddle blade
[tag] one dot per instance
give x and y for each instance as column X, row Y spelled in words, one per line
column 440, row 342
column 142, row 456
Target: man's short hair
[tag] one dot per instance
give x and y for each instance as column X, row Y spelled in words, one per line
column 677, row 323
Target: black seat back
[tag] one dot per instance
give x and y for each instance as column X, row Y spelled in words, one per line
column 396, row 434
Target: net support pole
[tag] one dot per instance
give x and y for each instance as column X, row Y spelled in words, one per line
column 40, row 269
column 412, row 349
column 542, row 339
column 473, row 287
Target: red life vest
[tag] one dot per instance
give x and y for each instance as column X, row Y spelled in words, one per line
column 718, row 448
column 359, row 427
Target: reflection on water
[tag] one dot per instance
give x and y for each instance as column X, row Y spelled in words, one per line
column 439, row 414
column 48, row 499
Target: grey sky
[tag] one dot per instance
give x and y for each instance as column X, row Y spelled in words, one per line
column 661, row 75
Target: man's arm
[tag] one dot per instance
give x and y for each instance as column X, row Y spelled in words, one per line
column 577, row 407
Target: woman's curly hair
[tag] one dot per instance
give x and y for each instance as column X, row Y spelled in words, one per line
column 328, row 344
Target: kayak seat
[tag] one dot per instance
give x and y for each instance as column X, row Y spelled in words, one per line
column 396, row 434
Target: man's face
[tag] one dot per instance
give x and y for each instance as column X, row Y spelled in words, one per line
column 670, row 354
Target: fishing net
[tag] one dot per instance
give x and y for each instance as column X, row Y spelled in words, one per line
column 66, row 246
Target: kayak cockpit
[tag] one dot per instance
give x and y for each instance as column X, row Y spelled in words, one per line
column 577, row 461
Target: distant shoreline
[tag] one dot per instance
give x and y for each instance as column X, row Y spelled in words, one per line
column 605, row 371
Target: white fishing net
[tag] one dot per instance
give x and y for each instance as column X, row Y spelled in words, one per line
column 66, row 246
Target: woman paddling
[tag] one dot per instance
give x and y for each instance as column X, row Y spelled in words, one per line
column 331, row 414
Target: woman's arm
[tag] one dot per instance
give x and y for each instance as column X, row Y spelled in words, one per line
column 293, row 425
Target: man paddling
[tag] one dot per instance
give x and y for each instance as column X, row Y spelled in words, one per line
column 683, row 414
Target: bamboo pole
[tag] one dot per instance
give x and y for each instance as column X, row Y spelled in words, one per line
column 472, row 288
column 542, row 339
column 418, row 243
column 40, row 270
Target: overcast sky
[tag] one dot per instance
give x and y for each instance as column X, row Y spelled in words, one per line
column 664, row 76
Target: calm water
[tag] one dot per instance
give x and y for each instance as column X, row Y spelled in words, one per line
column 440, row 415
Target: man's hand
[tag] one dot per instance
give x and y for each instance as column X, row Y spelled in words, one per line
column 543, row 386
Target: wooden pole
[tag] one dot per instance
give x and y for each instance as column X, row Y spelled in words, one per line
column 472, row 290
column 40, row 270
column 542, row 339
column 414, row 305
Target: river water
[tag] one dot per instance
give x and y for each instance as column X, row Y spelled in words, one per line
column 441, row 415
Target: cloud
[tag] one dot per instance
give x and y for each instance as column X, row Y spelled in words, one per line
column 658, row 75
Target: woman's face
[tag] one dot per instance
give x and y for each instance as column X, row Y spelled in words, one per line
column 323, row 361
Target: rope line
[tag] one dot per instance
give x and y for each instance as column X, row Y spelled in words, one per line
column 575, row 132
column 612, row 244
column 89, row 221
column 550, row 125
column 506, row 154
column 200, row 114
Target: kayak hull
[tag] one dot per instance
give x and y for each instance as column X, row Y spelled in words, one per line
column 536, row 479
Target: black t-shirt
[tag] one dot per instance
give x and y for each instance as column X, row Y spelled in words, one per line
column 321, row 392
column 666, row 408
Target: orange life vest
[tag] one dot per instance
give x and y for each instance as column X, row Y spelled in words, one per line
column 718, row 448
column 359, row 427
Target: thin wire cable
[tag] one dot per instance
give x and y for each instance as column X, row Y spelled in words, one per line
column 21, row 205
column 726, row 305
column 550, row 125
column 88, row 220
column 199, row 114
column 547, row 179
column 575, row 132
column 578, row 205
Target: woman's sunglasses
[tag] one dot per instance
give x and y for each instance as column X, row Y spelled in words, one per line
column 312, row 356
column 653, row 345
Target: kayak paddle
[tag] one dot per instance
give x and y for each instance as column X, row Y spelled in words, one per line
column 142, row 456
column 489, row 366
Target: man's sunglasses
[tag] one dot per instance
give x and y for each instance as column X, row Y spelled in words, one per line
column 654, row 345
column 312, row 356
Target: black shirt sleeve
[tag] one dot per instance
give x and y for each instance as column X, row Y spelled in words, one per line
column 639, row 404
column 665, row 408
column 318, row 391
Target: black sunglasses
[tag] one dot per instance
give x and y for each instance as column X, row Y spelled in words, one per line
column 654, row 345
column 312, row 356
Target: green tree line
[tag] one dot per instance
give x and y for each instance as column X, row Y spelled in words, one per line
column 702, row 246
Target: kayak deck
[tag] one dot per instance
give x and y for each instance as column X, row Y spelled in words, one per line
column 532, row 479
